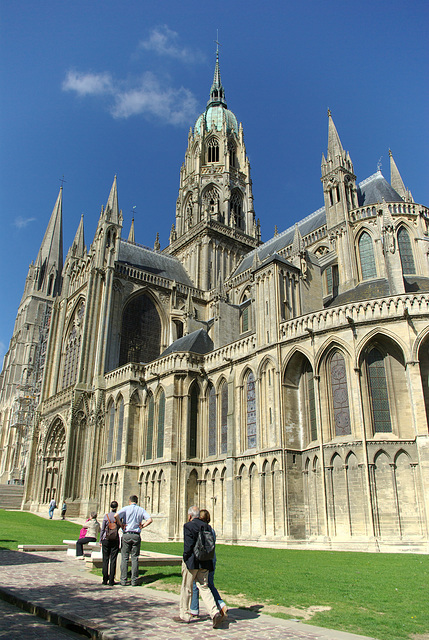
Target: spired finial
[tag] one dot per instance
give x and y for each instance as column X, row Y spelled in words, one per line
column 218, row 44
column 379, row 163
column 329, row 113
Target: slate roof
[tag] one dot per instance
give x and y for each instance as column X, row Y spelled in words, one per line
column 196, row 342
column 376, row 189
column 158, row 263
column 370, row 191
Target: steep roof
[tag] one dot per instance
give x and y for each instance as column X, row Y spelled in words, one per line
column 376, row 189
column 196, row 342
column 158, row 263
column 370, row 191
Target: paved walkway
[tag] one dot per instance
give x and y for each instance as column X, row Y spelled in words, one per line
column 59, row 588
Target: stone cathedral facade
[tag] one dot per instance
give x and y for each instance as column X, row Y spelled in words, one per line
column 283, row 385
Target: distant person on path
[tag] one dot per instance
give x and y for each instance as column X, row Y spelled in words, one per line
column 194, row 569
column 52, row 506
column 63, row 510
column 93, row 529
column 195, row 610
column 109, row 539
column 135, row 519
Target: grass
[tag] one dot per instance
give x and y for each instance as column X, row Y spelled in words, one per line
column 20, row 527
column 383, row 596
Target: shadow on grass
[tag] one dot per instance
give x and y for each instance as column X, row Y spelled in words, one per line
column 153, row 577
column 8, row 558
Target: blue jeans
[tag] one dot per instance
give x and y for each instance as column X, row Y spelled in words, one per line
column 195, row 595
column 51, row 512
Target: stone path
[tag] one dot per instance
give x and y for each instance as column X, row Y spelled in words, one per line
column 59, row 587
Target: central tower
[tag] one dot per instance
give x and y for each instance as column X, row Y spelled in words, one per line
column 215, row 220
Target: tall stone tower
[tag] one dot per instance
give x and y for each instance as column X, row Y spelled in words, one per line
column 340, row 194
column 24, row 362
column 215, row 220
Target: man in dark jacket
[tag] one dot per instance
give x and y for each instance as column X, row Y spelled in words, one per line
column 194, row 569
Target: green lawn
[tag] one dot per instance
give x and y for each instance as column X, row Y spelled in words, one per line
column 21, row 527
column 384, row 596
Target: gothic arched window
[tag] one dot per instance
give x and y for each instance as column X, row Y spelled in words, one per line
column 120, row 429
column 193, row 421
column 110, row 433
column 236, row 208
column 149, row 430
column 140, row 331
column 367, row 259
column 250, row 388
column 161, row 420
column 378, row 394
column 212, row 421
column 406, row 252
column 339, row 394
column 224, row 418
column 213, row 150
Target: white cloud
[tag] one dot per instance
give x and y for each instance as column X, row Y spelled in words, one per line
column 145, row 96
column 175, row 106
column 21, row 222
column 164, row 41
column 87, row 84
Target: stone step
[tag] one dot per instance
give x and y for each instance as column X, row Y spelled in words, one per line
column 11, row 496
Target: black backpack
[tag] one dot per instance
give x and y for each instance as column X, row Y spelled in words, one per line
column 204, row 548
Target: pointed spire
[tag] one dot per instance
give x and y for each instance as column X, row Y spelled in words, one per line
column 51, row 250
column 112, row 208
column 79, row 241
column 131, row 237
column 217, row 92
column 395, row 178
column 297, row 245
column 335, row 148
column 157, row 245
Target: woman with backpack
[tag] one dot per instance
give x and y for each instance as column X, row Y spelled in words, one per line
column 194, row 609
column 109, row 539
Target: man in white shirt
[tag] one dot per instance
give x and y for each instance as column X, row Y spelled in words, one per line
column 135, row 519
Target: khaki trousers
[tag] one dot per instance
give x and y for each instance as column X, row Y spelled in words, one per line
column 201, row 578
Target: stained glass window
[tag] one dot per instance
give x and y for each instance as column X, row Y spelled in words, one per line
column 120, row 429
column 161, row 418
column 245, row 319
column 140, row 331
column 378, row 393
column 311, row 403
column 405, row 251
column 340, row 396
column 224, row 418
column 212, row 421
column 367, row 259
column 251, row 411
column 193, row 422
column 110, row 434
column 149, row 434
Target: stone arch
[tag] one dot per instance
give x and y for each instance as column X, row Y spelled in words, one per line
column 299, row 402
column 192, row 496
column 423, row 359
column 385, row 390
column 254, row 500
column 339, row 515
column 236, row 209
column 406, row 253
column 385, row 511
column 141, row 329
column 408, row 491
column 193, row 420
column 315, row 502
column 54, row 452
column 356, row 492
column 249, row 405
column 364, row 245
column 335, row 368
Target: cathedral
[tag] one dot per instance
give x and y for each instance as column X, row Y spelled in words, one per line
column 282, row 385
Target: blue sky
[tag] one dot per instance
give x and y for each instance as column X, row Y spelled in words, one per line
column 94, row 89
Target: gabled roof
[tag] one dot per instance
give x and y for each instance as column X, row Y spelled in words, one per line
column 196, row 342
column 158, row 263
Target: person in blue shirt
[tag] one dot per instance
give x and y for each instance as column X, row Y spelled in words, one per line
column 135, row 519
